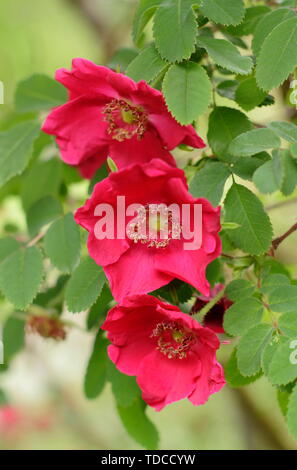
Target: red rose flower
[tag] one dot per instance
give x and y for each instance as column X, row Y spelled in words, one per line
column 136, row 265
column 170, row 353
column 108, row 114
column 215, row 317
column 11, row 420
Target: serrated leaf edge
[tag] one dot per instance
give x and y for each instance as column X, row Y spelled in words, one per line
column 227, row 24
column 185, row 57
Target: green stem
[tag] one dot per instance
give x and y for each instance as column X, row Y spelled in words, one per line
column 159, row 76
column 277, row 241
column 201, row 314
column 36, row 239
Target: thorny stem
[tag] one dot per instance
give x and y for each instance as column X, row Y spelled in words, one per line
column 36, row 239
column 225, row 255
column 277, row 241
column 258, row 125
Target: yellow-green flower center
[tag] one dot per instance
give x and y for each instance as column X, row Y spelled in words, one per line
column 125, row 120
column 128, row 116
column 173, row 339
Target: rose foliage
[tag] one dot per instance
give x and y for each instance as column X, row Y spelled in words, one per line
column 173, row 125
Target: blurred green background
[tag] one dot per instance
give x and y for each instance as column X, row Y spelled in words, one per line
column 45, row 382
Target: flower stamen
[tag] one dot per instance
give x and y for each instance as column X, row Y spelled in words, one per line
column 155, row 226
column 125, row 120
column 174, row 341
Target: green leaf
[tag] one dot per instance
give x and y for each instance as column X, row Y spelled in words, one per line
column 283, row 299
column 248, row 95
column 213, row 272
column 289, row 3
column 8, row 246
column 210, row 181
column 252, row 17
column 16, row 147
column 122, row 58
column 13, row 339
column 268, row 177
column 292, row 413
column 233, row 376
column 3, row 397
column 43, row 212
column 70, row 174
column 268, row 101
column 147, row 65
column 254, row 141
column 251, row 347
column 288, row 324
column 239, row 289
column 43, row 140
column 289, row 173
column 266, row 24
column 53, row 295
column 246, row 167
column 273, row 281
column 293, row 151
column 185, row 291
column 21, row 275
column 283, row 397
column 254, row 235
column 96, row 374
column 144, row 13
column 235, row 39
column 286, row 130
column 226, row 12
column 283, row 369
column 242, row 315
column 100, row 308
column 278, row 55
column 111, row 164
column 182, row 291
column 138, row 425
column 175, row 29
column 227, row 89
column 124, row 387
column 228, row 226
column 39, row 93
column 100, row 174
column 225, row 54
column 224, row 125
column 84, row 286
column 43, row 179
column 62, row 243
column 272, row 266
column 269, row 351
column 187, row 91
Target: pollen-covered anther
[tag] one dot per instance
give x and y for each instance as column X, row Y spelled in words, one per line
column 154, row 226
column 173, row 340
column 125, row 120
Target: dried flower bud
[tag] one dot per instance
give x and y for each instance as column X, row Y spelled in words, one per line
column 47, row 327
